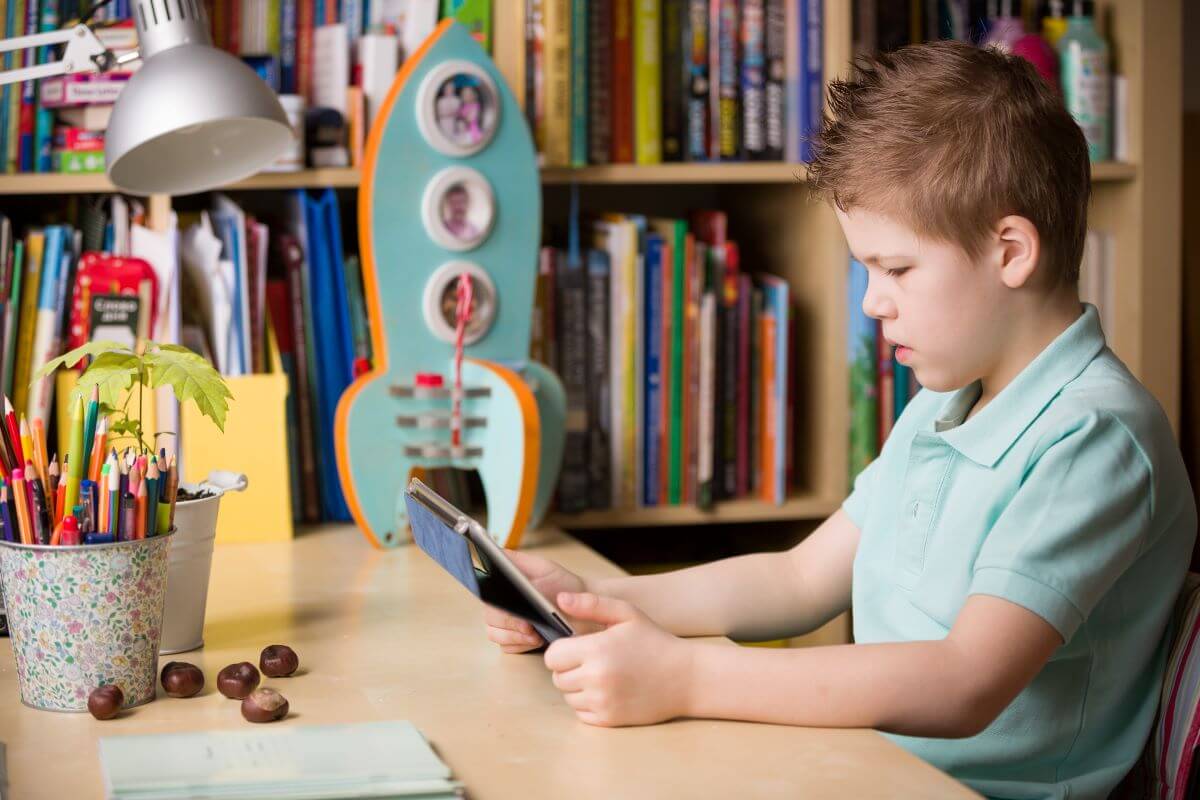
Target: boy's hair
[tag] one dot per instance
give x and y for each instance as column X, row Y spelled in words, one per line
column 950, row 138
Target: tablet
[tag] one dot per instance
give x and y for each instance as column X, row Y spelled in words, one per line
column 467, row 551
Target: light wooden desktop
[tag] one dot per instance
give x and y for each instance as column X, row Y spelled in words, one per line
column 388, row 635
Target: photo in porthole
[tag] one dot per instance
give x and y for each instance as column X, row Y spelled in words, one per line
column 481, row 309
column 465, row 213
column 465, row 110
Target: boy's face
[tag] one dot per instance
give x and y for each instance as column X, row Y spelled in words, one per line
column 945, row 312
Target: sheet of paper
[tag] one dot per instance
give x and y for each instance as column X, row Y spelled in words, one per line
column 354, row 760
column 331, row 67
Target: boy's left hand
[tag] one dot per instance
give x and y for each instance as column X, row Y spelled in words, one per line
column 631, row 673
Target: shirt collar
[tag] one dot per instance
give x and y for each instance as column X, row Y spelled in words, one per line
column 989, row 434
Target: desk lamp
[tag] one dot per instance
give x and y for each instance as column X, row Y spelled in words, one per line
column 192, row 118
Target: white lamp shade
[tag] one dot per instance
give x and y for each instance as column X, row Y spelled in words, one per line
column 192, row 118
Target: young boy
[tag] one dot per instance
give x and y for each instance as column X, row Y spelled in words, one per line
column 1013, row 555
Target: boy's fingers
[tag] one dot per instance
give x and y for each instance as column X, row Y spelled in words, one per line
column 570, row 681
column 502, row 619
column 564, row 654
column 578, row 701
column 506, row 636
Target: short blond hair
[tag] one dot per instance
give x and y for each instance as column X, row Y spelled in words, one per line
column 949, row 138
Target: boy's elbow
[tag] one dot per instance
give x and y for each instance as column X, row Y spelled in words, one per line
column 976, row 708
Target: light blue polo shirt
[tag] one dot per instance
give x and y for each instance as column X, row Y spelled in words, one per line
column 1066, row 495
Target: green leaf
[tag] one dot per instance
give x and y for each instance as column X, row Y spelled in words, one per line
column 78, row 354
column 113, row 372
column 191, row 377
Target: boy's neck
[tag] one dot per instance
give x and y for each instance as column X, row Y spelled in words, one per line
column 1027, row 341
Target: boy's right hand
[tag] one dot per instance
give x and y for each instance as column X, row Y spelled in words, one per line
column 515, row 635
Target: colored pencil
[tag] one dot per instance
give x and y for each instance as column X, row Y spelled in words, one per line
column 96, row 457
column 41, row 522
column 152, row 497
column 22, row 506
column 76, row 456
column 39, row 450
column 89, row 424
column 139, row 510
column 10, row 533
column 13, row 433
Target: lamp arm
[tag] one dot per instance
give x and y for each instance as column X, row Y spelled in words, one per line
column 84, row 53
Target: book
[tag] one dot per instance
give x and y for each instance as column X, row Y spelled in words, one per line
column 696, row 83
column 598, row 379
column 555, row 135
column 622, row 82
column 367, row 759
column 571, row 287
column 651, row 428
column 674, row 61
column 580, row 45
column 599, row 81
column 647, row 82
column 753, row 79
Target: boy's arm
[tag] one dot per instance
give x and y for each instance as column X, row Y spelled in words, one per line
column 953, row 687
column 753, row 597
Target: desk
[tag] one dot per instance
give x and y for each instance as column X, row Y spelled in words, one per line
column 388, row 635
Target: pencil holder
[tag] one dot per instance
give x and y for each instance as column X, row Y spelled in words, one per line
column 85, row 616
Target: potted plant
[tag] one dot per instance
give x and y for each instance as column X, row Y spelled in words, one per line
column 119, row 373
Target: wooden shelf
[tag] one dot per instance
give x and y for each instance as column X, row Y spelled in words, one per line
column 616, row 174
column 795, row 508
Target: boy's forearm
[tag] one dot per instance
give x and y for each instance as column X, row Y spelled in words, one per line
column 752, row 598
column 911, row 688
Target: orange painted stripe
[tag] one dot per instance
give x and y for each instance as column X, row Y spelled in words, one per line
column 533, row 448
column 366, row 195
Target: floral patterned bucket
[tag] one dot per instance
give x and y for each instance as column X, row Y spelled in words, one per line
column 85, row 616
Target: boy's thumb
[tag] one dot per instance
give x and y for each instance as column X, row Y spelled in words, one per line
column 605, row 610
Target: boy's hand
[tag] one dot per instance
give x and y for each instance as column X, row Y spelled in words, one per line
column 631, row 673
column 515, row 635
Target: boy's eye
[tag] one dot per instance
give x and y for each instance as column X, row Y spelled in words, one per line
column 895, row 273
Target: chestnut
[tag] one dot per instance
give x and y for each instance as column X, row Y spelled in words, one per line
column 278, row 661
column 181, row 679
column 264, row 705
column 105, row 701
column 237, row 680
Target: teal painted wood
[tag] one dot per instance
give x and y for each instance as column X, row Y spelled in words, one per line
column 399, row 258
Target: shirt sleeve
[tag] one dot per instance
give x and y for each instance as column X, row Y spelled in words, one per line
column 859, row 501
column 1077, row 522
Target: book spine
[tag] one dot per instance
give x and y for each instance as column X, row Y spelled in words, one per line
column 691, row 342
column 622, row 82
column 556, row 138
column 744, row 408
column 667, row 424
column 571, row 284
column 293, row 259
column 579, row 83
column 674, row 43
column 599, row 122
column 812, row 86
column 789, row 386
column 753, row 80
column 652, row 377
column 696, row 84
column 754, row 441
column 272, row 32
column 20, row 59
column 305, row 18
column 25, row 154
column 677, row 382
column 599, row 401
column 706, row 410
column 647, row 89
column 287, row 47
column 535, row 70
column 729, row 103
column 766, row 406
column 775, row 95
column 43, row 123
column 864, row 407
column 728, row 375
column 233, row 35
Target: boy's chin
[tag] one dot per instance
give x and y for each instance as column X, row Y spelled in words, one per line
column 935, row 381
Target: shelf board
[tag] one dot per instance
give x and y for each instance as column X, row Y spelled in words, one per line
column 747, row 172
column 617, row 174
column 797, row 507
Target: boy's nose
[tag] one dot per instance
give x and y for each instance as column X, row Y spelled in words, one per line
column 876, row 304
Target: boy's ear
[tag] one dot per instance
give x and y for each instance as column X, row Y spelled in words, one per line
column 1019, row 248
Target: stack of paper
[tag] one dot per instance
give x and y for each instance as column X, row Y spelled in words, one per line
column 366, row 760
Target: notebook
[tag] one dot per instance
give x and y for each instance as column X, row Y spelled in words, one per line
column 361, row 760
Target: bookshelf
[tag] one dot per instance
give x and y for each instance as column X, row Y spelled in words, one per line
column 616, row 174
column 786, row 233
